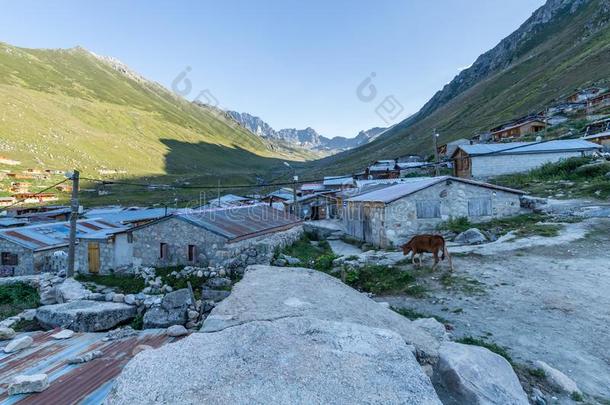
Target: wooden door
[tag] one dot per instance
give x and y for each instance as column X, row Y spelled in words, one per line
column 94, row 257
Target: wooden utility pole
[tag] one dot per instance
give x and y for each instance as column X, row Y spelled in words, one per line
column 295, row 205
column 73, row 218
column 436, row 157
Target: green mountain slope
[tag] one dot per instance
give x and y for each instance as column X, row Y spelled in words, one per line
column 70, row 108
column 563, row 46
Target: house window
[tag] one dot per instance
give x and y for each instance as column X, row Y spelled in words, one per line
column 192, row 253
column 163, row 251
column 9, row 259
column 428, row 209
column 479, row 207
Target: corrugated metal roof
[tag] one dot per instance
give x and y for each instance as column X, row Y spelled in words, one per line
column 514, row 148
column 595, row 136
column 85, row 383
column 392, row 193
column 128, row 215
column 241, row 222
column 54, row 235
column 6, row 222
column 312, row 186
column 338, row 180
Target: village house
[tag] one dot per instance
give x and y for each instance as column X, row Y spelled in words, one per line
column 128, row 216
column 40, row 248
column 595, row 127
column 584, row 94
column 494, row 159
column 279, row 196
column 185, row 238
column 382, row 169
column 338, row 182
column 602, row 139
column 56, row 214
column 598, row 102
column 446, row 150
column 391, row 215
column 412, row 168
column 19, row 187
column 518, row 128
column 316, row 206
column 311, row 188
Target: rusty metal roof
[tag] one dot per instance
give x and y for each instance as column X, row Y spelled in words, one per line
column 54, row 235
column 241, row 222
column 86, row 383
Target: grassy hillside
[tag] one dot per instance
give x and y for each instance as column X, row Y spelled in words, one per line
column 568, row 52
column 68, row 109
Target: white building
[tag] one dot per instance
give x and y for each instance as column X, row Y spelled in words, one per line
column 494, row 159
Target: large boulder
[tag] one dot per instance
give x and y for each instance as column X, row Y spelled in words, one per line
column 171, row 311
column 467, row 374
column 557, row 379
column 18, row 343
column 284, row 361
column 85, row 316
column 472, row 236
column 267, row 293
column 24, row 384
column 70, row 290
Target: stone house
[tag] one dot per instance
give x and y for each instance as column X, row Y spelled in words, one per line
column 41, row 248
column 208, row 237
column 602, row 139
column 494, row 159
column 391, row 215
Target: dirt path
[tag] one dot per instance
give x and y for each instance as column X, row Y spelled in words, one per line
column 547, row 302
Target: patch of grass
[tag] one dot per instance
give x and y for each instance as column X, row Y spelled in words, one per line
column 325, row 262
column 126, row 284
column 468, row 286
column 178, row 283
column 15, row 298
column 587, row 178
column 536, row 372
column 319, row 257
column 577, row 397
column 384, row 280
column 523, row 225
column 413, row 314
column 138, row 322
column 491, row 346
column 351, row 240
column 26, row 326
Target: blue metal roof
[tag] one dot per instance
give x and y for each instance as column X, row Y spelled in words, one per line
column 514, row 148
column 127, row 215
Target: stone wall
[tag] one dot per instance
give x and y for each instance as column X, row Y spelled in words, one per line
column 30, row 262
column 495, row 165
column 398, row 221
column 178, row 235
column 107, row 263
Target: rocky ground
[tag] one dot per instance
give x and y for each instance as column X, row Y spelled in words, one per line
column 541, row 298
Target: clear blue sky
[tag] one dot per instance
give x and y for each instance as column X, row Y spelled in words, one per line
column 294, row 63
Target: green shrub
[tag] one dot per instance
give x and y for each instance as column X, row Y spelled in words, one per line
column 126, row 284
column 457, row 224
column 15, row 298
column 138, row 322
column 384, row 280
column 413, row 314
column 497, row 349
column 324, row 262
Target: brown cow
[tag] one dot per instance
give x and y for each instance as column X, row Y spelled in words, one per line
column 421, row 244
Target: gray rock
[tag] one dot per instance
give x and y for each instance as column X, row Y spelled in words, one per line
column 218, row 282
column 171, row 311
column 18, row 343
column 109, row 296
column 537, row 397
column 557, row 379
column 433, row 327
column 70, row 290
column 176, row 330
column 140, row 348
column 286, row 361
column 468, row 374
column 64, row 334
column 130, row 299
column 48, row 296
column 120, row 333
column 471, row 237
column 267, row 293
column 118, row 298
column 214, row 295
column 84, row 358
column 280, row 262
column 6, row 333
column 96, row 297
column 293, row 261
column 28, row 314
column 85, row 316
column 24, row 384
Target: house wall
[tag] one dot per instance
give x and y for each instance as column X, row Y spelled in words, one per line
column 108, row 263
column 494, row 165
column 177, row 234
column 25, row 259
column 395, row 223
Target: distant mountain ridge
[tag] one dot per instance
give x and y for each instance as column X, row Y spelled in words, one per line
column 307, row 138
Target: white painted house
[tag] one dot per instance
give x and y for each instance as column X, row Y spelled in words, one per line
column 494, row 159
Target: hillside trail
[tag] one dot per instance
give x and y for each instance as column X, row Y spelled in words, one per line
column 542, row 298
